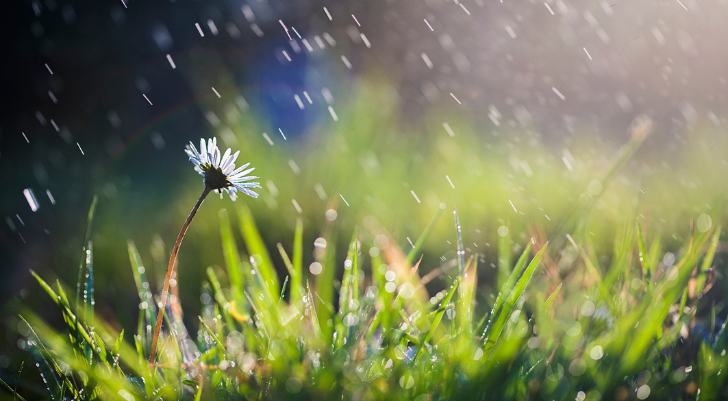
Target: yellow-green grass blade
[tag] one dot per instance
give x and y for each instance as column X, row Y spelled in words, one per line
column 507, row 287
column 412, row 254
column 644, row 257
column 467, row 289
column 552, row 297
column 149, row 307
column 297, row 289
column 323, row 296
column 656, row 306
column 256, row 246
column 71, row 320
column 508, row 306
column 707, row 261
column 232, row 258
column 438, row 316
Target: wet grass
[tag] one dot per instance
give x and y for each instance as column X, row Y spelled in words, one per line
column 600, row 332
column 601, row 303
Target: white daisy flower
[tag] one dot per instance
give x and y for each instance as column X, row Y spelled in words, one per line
column 220, row 175
column 220, row 172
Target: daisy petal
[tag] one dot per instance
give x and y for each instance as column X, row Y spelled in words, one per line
column 225, row 159
column 241, row 179
column 239, row 169
column 242, row 174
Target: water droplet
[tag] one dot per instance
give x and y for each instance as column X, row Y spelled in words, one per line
column 315, row 268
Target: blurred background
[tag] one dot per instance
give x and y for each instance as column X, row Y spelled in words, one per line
column 511, row 111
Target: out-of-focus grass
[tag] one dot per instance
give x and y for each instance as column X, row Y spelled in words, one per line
column 606, row 311
column 376, row 162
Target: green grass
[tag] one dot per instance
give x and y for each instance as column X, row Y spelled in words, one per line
column 594, row 288
column 584, row 335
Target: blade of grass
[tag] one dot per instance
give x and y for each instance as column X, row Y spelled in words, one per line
column 149, row 307
column 510, row 303
column 421, row 239
column 707, row 261
column 256, row 246
column 467, row 297
column 297, row 289
column 553, row 295
column 438, row 316
column 87, row 238
column 232, row 258
column 11, row 390
column 88, row 293
column 644, row 260
column 506, row 287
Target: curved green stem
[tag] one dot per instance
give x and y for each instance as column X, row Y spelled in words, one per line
column 170, row 269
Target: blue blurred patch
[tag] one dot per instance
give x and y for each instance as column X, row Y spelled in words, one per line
column 278, row 82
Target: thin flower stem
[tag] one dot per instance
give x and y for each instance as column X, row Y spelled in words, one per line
column 170, row 269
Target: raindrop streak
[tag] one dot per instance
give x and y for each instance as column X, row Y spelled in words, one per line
column 549, row 8
column 171, row 62
column 456, row 99
column 346, row 62
column 79, row 148
column 449, row 130
column 296, row 32
column 559, row 94
column 286, row 29
column 342, row 198
column 568, row 236
column 294, row 167
column 415, row 195
column 26, row 138
column 216, row 92
column 202, row 34
column 212, row 27
column 30, row 197
column 122, row 2
column 428, row 25
column 267, row 139
column 365, row 40
column 587, row 53
column 333, row 114
column 298, row 101
column 49, row 69
column 320, row 191
column 50, row 196
column 145, row 97
column 514, row 208
column 427, row 60
column 686, row 9
column 53, row 97
column 282, row 134
column 326, row 10
column 298, row 208
column 448, row 180
column 464, row 9
column 355, row 20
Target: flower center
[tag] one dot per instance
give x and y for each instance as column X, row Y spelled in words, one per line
column 215, row 179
